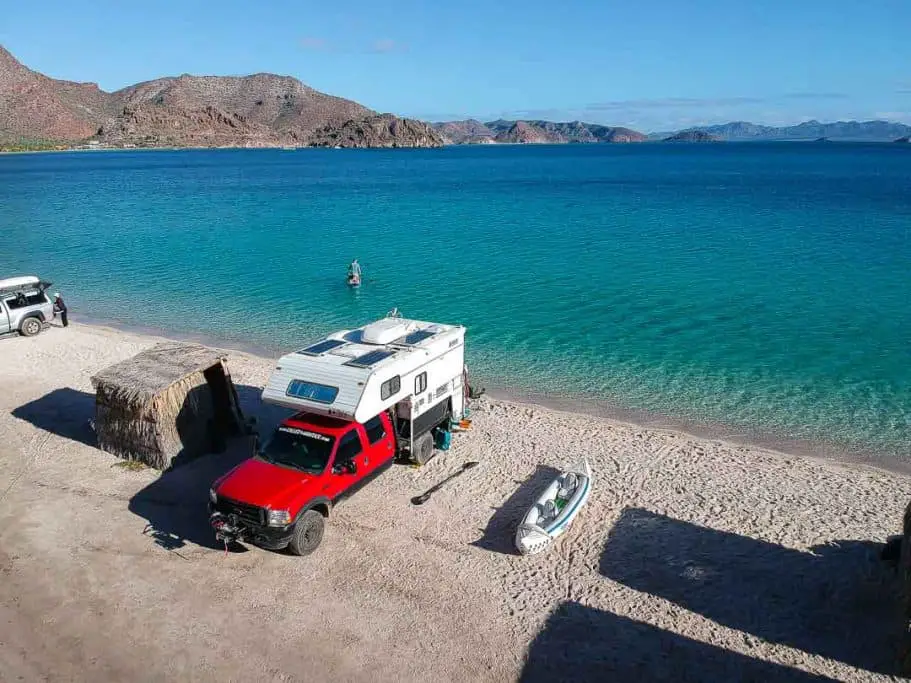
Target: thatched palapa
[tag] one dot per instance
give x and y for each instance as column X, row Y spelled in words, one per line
column 174, row 400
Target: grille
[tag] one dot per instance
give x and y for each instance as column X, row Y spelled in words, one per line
column 247, row 512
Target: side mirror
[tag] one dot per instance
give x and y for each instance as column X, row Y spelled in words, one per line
column 351, row 467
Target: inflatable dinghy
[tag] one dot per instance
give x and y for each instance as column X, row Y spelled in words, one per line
column 555, row 509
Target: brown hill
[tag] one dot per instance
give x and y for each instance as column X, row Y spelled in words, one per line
column 35, row 106
column 464, row 132
column 560, row 132
column 621, row 134
column 384, row 130
column 262, row 110
column 523, row 133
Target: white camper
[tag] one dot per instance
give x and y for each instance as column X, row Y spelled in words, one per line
column 414, row 369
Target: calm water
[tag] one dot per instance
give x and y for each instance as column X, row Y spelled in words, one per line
column 762, row 286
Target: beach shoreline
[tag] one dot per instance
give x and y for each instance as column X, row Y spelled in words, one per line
column 690, row 553
column 577, row 405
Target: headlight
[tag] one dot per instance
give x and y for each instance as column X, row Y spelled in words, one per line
column 279, row 518
column 213, row 496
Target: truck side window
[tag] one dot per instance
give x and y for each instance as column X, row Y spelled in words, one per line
column 375, row 430
column 349, row 447
column 390, row 387
column 420, row 383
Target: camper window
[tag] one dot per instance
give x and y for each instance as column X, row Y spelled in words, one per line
column 420, row 383
column 375, row 430
column 310, row 391
column 390, row 387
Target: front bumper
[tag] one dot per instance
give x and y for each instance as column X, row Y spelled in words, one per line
column 231, row 528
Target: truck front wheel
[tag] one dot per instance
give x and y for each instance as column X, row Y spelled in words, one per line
column 308, row 532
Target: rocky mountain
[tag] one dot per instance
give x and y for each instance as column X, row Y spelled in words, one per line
column 692, row 136
column 573, row 131
column 808, row 130
column 262, row 110
column 511, row 132
column 384, row 130
column 33, row 105
column 522, row 132
column 468, row 132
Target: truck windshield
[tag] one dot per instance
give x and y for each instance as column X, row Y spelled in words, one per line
column 299, row 448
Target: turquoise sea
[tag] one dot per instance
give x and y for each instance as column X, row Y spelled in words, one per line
column 765, row 288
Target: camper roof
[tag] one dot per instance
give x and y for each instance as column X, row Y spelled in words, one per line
column 329, row 376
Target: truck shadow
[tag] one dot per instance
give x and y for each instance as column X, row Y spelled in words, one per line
column 837, row 601
column 499, row 534
column 175, row 505
column 66, row 412
column 584, row 644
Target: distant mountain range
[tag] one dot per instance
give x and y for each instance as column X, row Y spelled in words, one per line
column 266, row 110
column 518, row 132
column 262, row 110
column 809, row 130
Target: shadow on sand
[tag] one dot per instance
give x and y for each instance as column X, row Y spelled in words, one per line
column 499, row 534
column 587, row 645
column 175, row 504
column 838, row 601
column 66, row 412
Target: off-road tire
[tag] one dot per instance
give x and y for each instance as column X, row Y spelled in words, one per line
column 308, row 532
column 423, row 448
column 30, row 327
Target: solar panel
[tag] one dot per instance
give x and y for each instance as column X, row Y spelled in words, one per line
column 416, row 337
column 322, row 347
column 370, row 358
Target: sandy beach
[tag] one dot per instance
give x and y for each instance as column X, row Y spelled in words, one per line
column 694, row 560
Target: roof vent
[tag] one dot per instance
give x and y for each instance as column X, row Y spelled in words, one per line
column 385, row 331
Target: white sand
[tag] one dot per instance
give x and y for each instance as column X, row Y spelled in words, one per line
column 691, row 561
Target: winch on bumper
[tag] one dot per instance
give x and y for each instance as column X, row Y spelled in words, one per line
column 231, row 526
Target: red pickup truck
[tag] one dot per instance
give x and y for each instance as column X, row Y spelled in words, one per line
column 281, row 497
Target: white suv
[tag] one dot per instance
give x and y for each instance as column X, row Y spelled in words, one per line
column 25, row 307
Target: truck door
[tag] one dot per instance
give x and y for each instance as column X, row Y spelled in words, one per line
column 380, row 441
column 350, row 450
column 4, row 318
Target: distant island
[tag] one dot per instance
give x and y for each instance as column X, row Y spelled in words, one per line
column 904, row 140
column 267, row 110
column 692, row 136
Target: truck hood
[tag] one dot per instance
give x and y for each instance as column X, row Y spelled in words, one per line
column 263, row 484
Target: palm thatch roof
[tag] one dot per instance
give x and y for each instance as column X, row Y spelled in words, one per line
column 136, row 381
column 165, row 402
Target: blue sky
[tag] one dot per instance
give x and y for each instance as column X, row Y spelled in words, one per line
column 649, row 64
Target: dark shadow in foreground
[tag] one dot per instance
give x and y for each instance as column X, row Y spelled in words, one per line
column 65, row 412
column 838, row 601
column 175, row 505
column 499, row 534
column 583, row 644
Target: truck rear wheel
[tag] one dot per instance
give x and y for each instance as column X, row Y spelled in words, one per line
column 423, row 448
column 30, row 327
column 308, row 532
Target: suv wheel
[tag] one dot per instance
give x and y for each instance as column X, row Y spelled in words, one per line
column 308, row 532
column 30, row 327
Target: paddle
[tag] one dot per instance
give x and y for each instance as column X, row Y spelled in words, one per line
column 424, row 497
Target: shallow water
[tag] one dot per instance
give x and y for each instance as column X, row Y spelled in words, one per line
column 764, row 287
